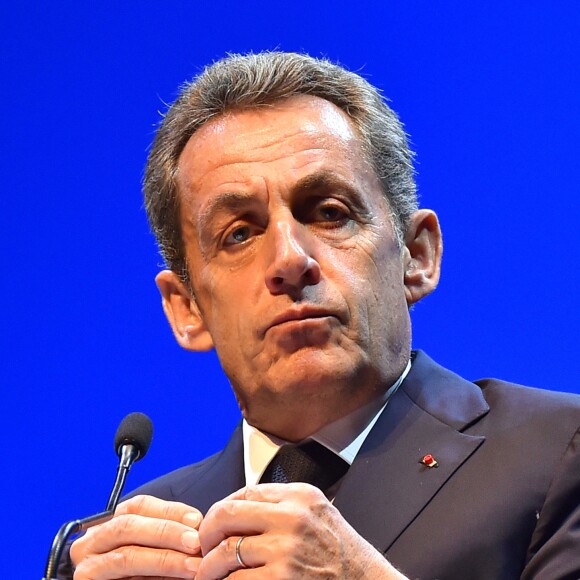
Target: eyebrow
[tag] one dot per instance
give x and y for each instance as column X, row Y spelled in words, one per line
column 324, row 179
column 227, row 201
column 232, row 202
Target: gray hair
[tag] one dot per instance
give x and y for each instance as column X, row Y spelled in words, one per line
column 254, row 80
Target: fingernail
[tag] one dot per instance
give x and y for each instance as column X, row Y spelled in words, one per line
column 192, row 564
column 192, row 519
column 190, row 540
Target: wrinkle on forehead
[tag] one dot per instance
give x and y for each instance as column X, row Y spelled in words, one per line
column 300, row 121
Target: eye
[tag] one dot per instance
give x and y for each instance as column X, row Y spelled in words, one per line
column 331, row 212
column 239, row 234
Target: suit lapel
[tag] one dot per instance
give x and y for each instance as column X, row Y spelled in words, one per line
column 387, row 487
column 221, row 475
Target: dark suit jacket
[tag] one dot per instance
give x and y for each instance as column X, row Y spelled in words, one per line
column 504, row 502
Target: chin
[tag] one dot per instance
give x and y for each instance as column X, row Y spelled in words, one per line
column 310, row 369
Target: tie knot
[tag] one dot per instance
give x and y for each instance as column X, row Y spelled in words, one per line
column 308, row 462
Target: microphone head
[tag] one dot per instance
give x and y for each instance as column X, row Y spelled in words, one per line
column 135, row 429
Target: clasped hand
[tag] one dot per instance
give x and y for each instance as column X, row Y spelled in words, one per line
column 289, row 530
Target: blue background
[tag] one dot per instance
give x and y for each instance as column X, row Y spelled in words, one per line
column 490, row 95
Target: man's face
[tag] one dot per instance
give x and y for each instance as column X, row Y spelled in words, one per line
column 297, row 275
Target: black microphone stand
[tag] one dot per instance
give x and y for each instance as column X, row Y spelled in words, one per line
column 128, row 454
column 65, row 532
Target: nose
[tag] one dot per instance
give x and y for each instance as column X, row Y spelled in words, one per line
column 292, row 265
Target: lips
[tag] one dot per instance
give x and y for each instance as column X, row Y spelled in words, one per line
column 297, row 314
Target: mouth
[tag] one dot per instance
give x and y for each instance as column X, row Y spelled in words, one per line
column 298, row 315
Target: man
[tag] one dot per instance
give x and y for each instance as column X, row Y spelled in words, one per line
column 281, row 192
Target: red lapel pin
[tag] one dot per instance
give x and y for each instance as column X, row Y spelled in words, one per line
column 429, row 460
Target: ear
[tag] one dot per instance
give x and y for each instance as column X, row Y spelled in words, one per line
column 422, row 255
column 183, row 313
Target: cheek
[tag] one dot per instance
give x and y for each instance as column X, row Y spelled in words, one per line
column 372, row 284
column 229, row 312
column 371, row 269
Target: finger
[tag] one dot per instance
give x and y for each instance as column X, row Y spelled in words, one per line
column 247, row 573
column 237, row 518
column 259, row 509
column 154, row 577
column 134, row 530
column 150, row 578
column 223, row 560
column 154, row 507
column 249, row 518
column 277, row 492
column 135, row 561
column 126, row 528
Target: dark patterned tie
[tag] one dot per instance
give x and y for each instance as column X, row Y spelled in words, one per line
column 309, row 462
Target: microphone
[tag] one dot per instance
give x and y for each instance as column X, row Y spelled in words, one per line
column 132, row 441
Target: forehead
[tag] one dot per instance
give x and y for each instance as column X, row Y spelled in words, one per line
column 308, row 113
column 298, row 130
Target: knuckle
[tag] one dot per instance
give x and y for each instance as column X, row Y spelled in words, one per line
column 302, row 521
column 281, row 548
column 122, row 526
column 117, row 562
column 122, row 560
column 162, row 528
column 81, row 570
column 221, row 509
column 83, row 547
column 228, row 545
column 297, row 517
column 252, row 492
column 170, row 509
column 163, row 560
column 229, row 508
column 134, row 505
column 212, row 510
column 78, row 550
column 319, row 503
column 311, row 494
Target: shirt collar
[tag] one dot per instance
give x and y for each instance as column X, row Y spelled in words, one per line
column 344, row 436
